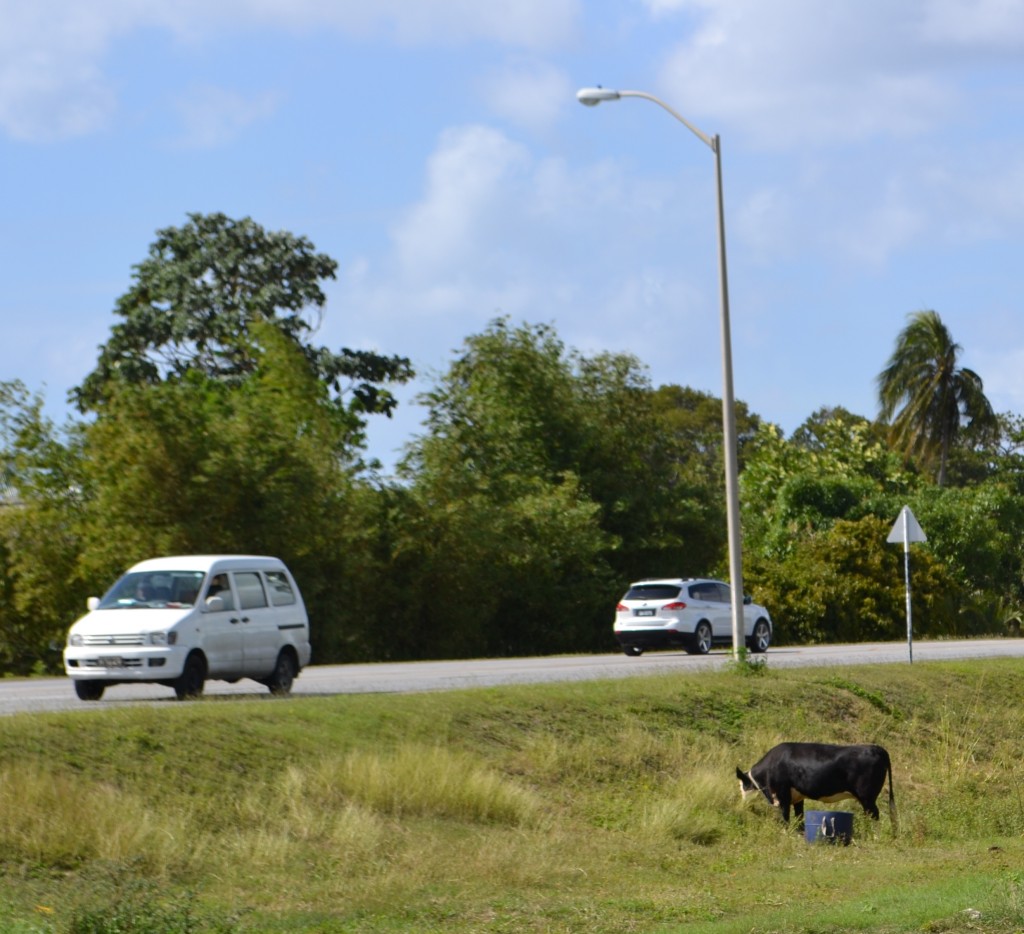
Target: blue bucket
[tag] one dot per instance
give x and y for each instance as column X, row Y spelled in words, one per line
column 828, row 827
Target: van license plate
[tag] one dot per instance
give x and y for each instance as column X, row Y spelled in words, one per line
column 645, row 612
column 112, row 661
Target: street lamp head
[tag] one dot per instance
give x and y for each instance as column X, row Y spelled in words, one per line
column 593, row 96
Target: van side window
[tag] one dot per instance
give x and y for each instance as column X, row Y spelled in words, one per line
column 250, row 590
column 219, row 587
column 281, row 593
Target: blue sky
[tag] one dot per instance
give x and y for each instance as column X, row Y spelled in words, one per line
column 873, row 160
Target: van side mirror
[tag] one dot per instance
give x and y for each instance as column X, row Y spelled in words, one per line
column 214, row 604
column 747, row 599
column 92, row 603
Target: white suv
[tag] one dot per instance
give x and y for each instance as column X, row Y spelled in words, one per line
column 695, row 613
column 180, row 621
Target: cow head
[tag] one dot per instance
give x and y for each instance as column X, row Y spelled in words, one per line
column 749, row 786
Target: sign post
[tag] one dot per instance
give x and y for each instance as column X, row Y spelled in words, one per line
column 907, row 530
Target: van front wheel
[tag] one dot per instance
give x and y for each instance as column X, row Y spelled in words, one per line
column 89, row 690
column 193, row 676
column 280, row 682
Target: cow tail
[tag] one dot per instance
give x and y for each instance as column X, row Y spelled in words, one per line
column 892, row 798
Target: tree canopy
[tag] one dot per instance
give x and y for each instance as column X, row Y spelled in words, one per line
column 544, row 480
column 927, row 396
column 194, row 304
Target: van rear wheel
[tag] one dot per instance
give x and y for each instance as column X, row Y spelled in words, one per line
column 193, row 677
column 280, row 682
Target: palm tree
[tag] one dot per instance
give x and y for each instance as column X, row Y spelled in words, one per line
column 929, row 394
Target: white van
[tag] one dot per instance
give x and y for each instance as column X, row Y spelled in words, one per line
column 180, row 621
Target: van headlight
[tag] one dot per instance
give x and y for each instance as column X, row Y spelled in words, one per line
column 75, row 639
column 163, row 638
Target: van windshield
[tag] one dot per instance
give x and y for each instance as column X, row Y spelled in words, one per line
column 159, row 589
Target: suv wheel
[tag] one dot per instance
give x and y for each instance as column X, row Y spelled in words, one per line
column 761, row 637
column 701, row 642
column 633, row 650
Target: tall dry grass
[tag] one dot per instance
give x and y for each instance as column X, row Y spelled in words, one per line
column 604, row 807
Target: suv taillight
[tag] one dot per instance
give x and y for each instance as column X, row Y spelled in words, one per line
column 621, row 609
column 678, row 605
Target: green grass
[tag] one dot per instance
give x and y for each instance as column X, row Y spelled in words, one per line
column 596, row 807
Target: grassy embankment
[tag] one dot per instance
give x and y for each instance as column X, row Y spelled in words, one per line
column 598, row 807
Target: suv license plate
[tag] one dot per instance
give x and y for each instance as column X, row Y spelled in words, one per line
column 112, row 661
column 645, row 612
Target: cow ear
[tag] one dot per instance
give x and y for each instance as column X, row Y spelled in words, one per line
column 740, row 774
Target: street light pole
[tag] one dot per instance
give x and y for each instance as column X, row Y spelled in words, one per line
column 591, row 97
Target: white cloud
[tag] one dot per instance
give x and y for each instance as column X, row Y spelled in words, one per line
column 471, row 183
column 987, row 26
column 523, row 23
column 500, row 232
column 213, row 116
column 52, row 52
column 453, row 264
column 529, row 95
column 884, row 228
column 765, row 223
column 1002, row 370
column 801, row 72
column 37, row 104
column 491, row 212
column 50, row 83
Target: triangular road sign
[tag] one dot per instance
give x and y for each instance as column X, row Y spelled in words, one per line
column 907, row 528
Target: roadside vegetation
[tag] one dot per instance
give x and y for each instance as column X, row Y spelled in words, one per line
column 544, row 480
column 595, row 807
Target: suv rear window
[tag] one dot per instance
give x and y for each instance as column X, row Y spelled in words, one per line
column 652, row 592
column 711, row 591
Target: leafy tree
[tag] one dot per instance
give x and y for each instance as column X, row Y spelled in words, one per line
column 692, row 419
column 517, row 403
column 824, row 425
column 845, row 584
column 521, row 574
column 839, row 469
column 217, row 426
column 550, row 478
column 40, row 581
column 926, row 395
column 196, row 465
column 1008, row 447
column 194, row 304
column 835, row 488
column 976, row 532
column 667, row 521
column 817, row 511
column 990, row 454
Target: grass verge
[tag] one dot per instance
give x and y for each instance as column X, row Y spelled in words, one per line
column 595, row 807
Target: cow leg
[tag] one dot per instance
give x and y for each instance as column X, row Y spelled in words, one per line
column 783, row 797
column 870, row 808
column 798, row 812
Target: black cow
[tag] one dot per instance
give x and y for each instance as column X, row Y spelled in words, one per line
column 791, row 772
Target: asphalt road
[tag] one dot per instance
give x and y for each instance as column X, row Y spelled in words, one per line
column 50, row 694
